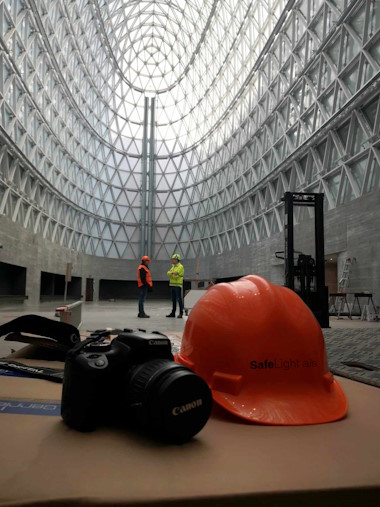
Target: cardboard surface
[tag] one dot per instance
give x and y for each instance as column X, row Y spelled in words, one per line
column 227, row 463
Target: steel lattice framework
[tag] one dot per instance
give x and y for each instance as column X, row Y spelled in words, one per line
column 253, row 98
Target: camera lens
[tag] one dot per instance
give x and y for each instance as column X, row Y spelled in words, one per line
column 169, row 399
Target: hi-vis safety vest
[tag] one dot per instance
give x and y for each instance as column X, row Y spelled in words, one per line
column 176, row 280
column 148, row 276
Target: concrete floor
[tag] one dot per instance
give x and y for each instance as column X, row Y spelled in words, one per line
column 121, row 314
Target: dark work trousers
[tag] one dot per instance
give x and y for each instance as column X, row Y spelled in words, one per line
column 142, row 295
column 177, row 296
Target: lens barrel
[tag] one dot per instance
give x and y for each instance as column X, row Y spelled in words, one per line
column 168, row 399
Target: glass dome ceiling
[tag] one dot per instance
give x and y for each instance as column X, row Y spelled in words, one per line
column 245, row 96
column 153, row 43
column 194, row 55
column 77, row 76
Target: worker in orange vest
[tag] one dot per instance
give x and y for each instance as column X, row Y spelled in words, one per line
column 145, row 284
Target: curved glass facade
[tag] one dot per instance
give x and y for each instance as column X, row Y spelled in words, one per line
column 251, row 99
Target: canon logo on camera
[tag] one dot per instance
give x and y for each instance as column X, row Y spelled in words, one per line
column 158, row 342
column 189, row 406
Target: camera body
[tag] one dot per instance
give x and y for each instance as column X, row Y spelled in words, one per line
column 133, row 379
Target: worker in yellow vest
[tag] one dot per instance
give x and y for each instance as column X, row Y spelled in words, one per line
column 145, row 284
column 175, row 275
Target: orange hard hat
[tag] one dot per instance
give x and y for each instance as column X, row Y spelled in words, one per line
column 145, row 258
column 262, row 352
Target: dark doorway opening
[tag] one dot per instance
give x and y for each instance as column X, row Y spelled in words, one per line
column 53, row 287
column 89, row 289
column 331, row 273
column 12, row 281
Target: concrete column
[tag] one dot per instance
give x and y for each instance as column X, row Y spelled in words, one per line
column 96, row 289
column 144, row 160
column 33, row 284
column 151, row 177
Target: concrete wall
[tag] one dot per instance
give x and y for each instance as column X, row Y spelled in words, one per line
column 351, row 230
column 23, row 248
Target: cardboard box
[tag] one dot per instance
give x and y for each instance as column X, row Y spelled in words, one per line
column 228, row 463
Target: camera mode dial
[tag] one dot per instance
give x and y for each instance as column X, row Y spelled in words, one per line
column 101, row 347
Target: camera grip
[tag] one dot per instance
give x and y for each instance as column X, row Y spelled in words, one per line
column 79, row 397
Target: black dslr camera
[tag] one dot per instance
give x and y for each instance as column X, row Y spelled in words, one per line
column 133, row 379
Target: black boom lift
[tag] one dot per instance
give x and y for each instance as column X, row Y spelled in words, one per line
column 307, row 276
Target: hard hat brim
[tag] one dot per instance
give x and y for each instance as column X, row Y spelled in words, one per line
column 300, row 406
